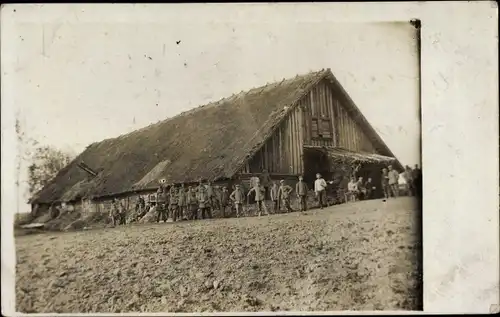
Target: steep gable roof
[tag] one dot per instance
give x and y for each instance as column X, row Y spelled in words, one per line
column 209, row 142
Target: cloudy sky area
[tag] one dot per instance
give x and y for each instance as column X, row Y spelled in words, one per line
column 78, row 78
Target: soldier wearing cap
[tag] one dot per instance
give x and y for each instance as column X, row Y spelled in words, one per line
column 237, row 198
column 224, row 201
column 265, row 180
column 393, row 181
column 301, row 190
column 181, row 201
column 173, row 203
column 115, row 213
column 161, row 205
column 259, row 191
column 192, row 203
column 320, row 190
column 385, row 183
column 140, row 207
column 275, row 197
column 284, row 193
column 212, row 200
column 203, row 201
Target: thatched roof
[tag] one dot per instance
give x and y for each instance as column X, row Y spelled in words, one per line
column 337, row 154
column 209, row 142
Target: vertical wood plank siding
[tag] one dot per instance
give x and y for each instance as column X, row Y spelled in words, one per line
column 283, row 151
column 346, row 132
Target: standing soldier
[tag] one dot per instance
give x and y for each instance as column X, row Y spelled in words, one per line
column 140, row 208
column 320, row 190
column 259, row 191
column 284, row 193
column 192, row 203
column 203, row 200
column 211, row 196
column 393, row 181
column 161, row 205
column 182, row 204
column 274, row 197
column 408, row 176
column 301, row 190
column 224, row 201
column 385, row 183
column 120, row 212
column 114, row 213
column 237, row 198
column 265, row 180
column 218, row 198
column 173, row 203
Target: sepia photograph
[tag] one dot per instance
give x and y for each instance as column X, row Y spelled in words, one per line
column 186, row 164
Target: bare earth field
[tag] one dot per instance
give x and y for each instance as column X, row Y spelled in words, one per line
column 359, row 256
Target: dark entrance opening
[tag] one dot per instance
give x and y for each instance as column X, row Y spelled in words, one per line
column 373, row 171
column 316, row 161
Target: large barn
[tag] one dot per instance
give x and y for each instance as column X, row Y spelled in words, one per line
column 297, row 126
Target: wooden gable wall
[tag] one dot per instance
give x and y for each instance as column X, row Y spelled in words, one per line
column 324, row 111
column 318, row 120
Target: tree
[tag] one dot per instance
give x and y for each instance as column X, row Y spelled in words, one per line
column 46, row 163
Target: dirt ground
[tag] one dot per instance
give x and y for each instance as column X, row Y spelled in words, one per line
column 358, row 256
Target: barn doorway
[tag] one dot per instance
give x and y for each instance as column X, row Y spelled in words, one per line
column 315, row 161
column 373, row 171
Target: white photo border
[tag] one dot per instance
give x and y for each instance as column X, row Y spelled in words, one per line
column 460, row 145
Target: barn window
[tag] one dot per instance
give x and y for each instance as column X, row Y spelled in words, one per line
column 315, row 130
column 322, row 128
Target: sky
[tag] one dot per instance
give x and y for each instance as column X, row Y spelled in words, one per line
column 76, row 76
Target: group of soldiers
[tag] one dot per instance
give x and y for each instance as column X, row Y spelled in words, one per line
column 412, row 184
column 202, row 201
column 360, row 189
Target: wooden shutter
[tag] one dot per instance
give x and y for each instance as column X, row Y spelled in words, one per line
column 315, row 128
column 326, row 128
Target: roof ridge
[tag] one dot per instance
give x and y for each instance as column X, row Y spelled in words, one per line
column 215, row 103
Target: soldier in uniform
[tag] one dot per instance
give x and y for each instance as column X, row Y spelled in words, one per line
column 393, row 181
column 173, row 203
column 115, row 213
column 203, row 201
column 210, row 195
column 224, row 201
column 409, row 184
column 237, row 198
column 265, row 180
column 301, row 190
column 161, row 205
column 284, row 193
column 385, row 183
column 259, row 191
column 192, row 203
column 218, row 198
column 181, row 201
column 273, row 192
